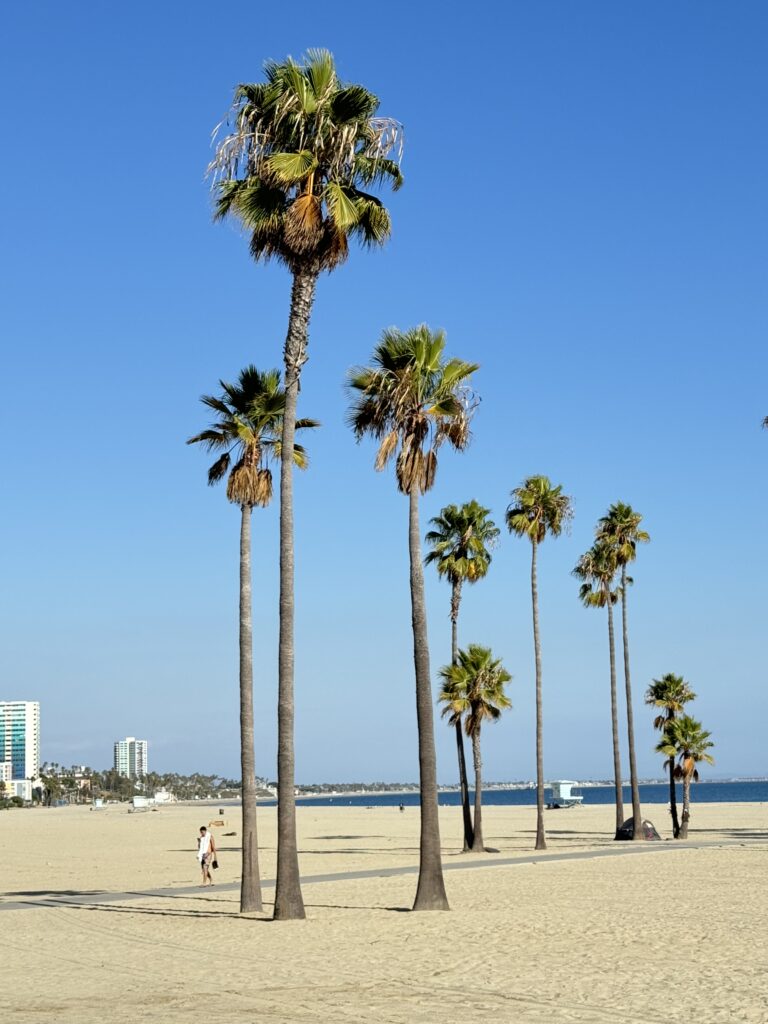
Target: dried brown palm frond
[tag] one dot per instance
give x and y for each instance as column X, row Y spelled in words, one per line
column 249, row 485
column 429, row 471
column 386, row 450
column 456, row 431
column 303, row 223
column 409, row 467
column 333, row 249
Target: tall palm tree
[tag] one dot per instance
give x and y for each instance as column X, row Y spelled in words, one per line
column 685, row 740
column 302, row 151
column 670, row 693
column 247, row 434
column 538, row 508
column 473, row 689
column 597, row 569
column 412, row 400
column 460, row 541
column 620, row 530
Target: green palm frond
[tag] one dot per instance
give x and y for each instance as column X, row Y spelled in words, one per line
column 342, row 206
column 321, row 73
column 289, row 168
column 353, row 103
column 373, row 171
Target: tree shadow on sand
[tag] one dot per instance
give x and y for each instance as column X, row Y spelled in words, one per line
column 108, row 908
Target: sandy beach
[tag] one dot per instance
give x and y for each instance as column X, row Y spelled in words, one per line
column 642, row 935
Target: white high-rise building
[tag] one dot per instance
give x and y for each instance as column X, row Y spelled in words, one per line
column 131, row 757
column 19, row 746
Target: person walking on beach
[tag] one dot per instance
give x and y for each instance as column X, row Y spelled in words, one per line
column 206, row 854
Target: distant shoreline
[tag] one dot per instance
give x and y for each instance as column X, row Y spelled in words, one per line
column 340, row 796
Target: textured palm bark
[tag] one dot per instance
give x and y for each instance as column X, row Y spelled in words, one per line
column 289, row 903
column 683, row 834
column 430, row 891
column 541, row 843
column 250, row 882
column 478, row 846
column 463, row 784
column 673, row 800
column 637, row 817
column 615, row 723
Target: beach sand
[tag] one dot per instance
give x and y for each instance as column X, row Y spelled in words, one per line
column 640, row 936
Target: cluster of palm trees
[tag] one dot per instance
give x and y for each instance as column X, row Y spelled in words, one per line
column 297, row 164
column 603, row 572
column 460, row 543
column 684, row 743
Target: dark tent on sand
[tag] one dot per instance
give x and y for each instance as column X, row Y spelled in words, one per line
column 627, row 830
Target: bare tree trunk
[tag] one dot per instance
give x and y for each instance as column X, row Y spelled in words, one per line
column 615, row 723
column 463, row 785
column 541, row 843
column 673, row 799
column 430, row 892
column 289, row 904
column 250, row 883
column 478, row 846
column 683, row 834
column 637, row 816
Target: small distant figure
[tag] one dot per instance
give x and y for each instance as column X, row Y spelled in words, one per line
column 402, row 808
column 206, row 854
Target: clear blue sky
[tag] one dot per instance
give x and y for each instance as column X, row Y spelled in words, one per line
column 584, row 213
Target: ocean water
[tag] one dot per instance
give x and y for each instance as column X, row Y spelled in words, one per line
column 701, row 792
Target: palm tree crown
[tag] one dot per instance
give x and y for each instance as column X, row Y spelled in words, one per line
column 685, row 739
column 247, row 432
column 597, row 569
column 473, row 688
column 671, row 693
column 460, row 542
column 295, row 168
column 412, row 399
column 620, row 528
column 538, row 509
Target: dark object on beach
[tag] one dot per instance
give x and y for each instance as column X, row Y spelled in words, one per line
column 627, row 830
column 214, row 864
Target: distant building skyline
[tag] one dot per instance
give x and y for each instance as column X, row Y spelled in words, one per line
column 131, row 757
column 19, row 746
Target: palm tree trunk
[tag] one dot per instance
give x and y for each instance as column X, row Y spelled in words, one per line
column 683, row 834
column 637, row 816
column 478, row 846
column 289, row 904
column 541, row 843
column 250, row 883
column 430, row 892
column 673, row 800
column 463, row 785
column 615, row 723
